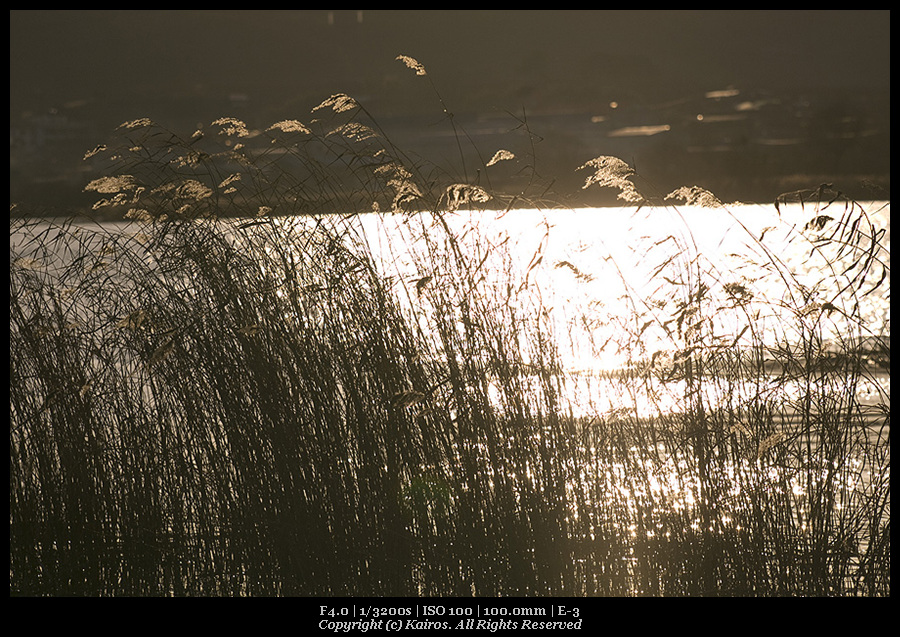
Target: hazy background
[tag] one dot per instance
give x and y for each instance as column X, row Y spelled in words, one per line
column 746, row 103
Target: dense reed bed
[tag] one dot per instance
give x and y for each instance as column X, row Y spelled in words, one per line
column 233, row 395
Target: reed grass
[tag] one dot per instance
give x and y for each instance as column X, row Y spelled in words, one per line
column 232, row 395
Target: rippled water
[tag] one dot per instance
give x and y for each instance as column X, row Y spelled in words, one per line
column 605, row 276
column 602, row 277
column 592, row 258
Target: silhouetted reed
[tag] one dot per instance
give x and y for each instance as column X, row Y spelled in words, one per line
column 235, row 394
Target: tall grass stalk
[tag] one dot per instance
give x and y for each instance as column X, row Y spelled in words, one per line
column 236, row 394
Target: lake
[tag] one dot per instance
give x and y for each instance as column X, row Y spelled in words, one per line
column 609, row 283
column 598, row 274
